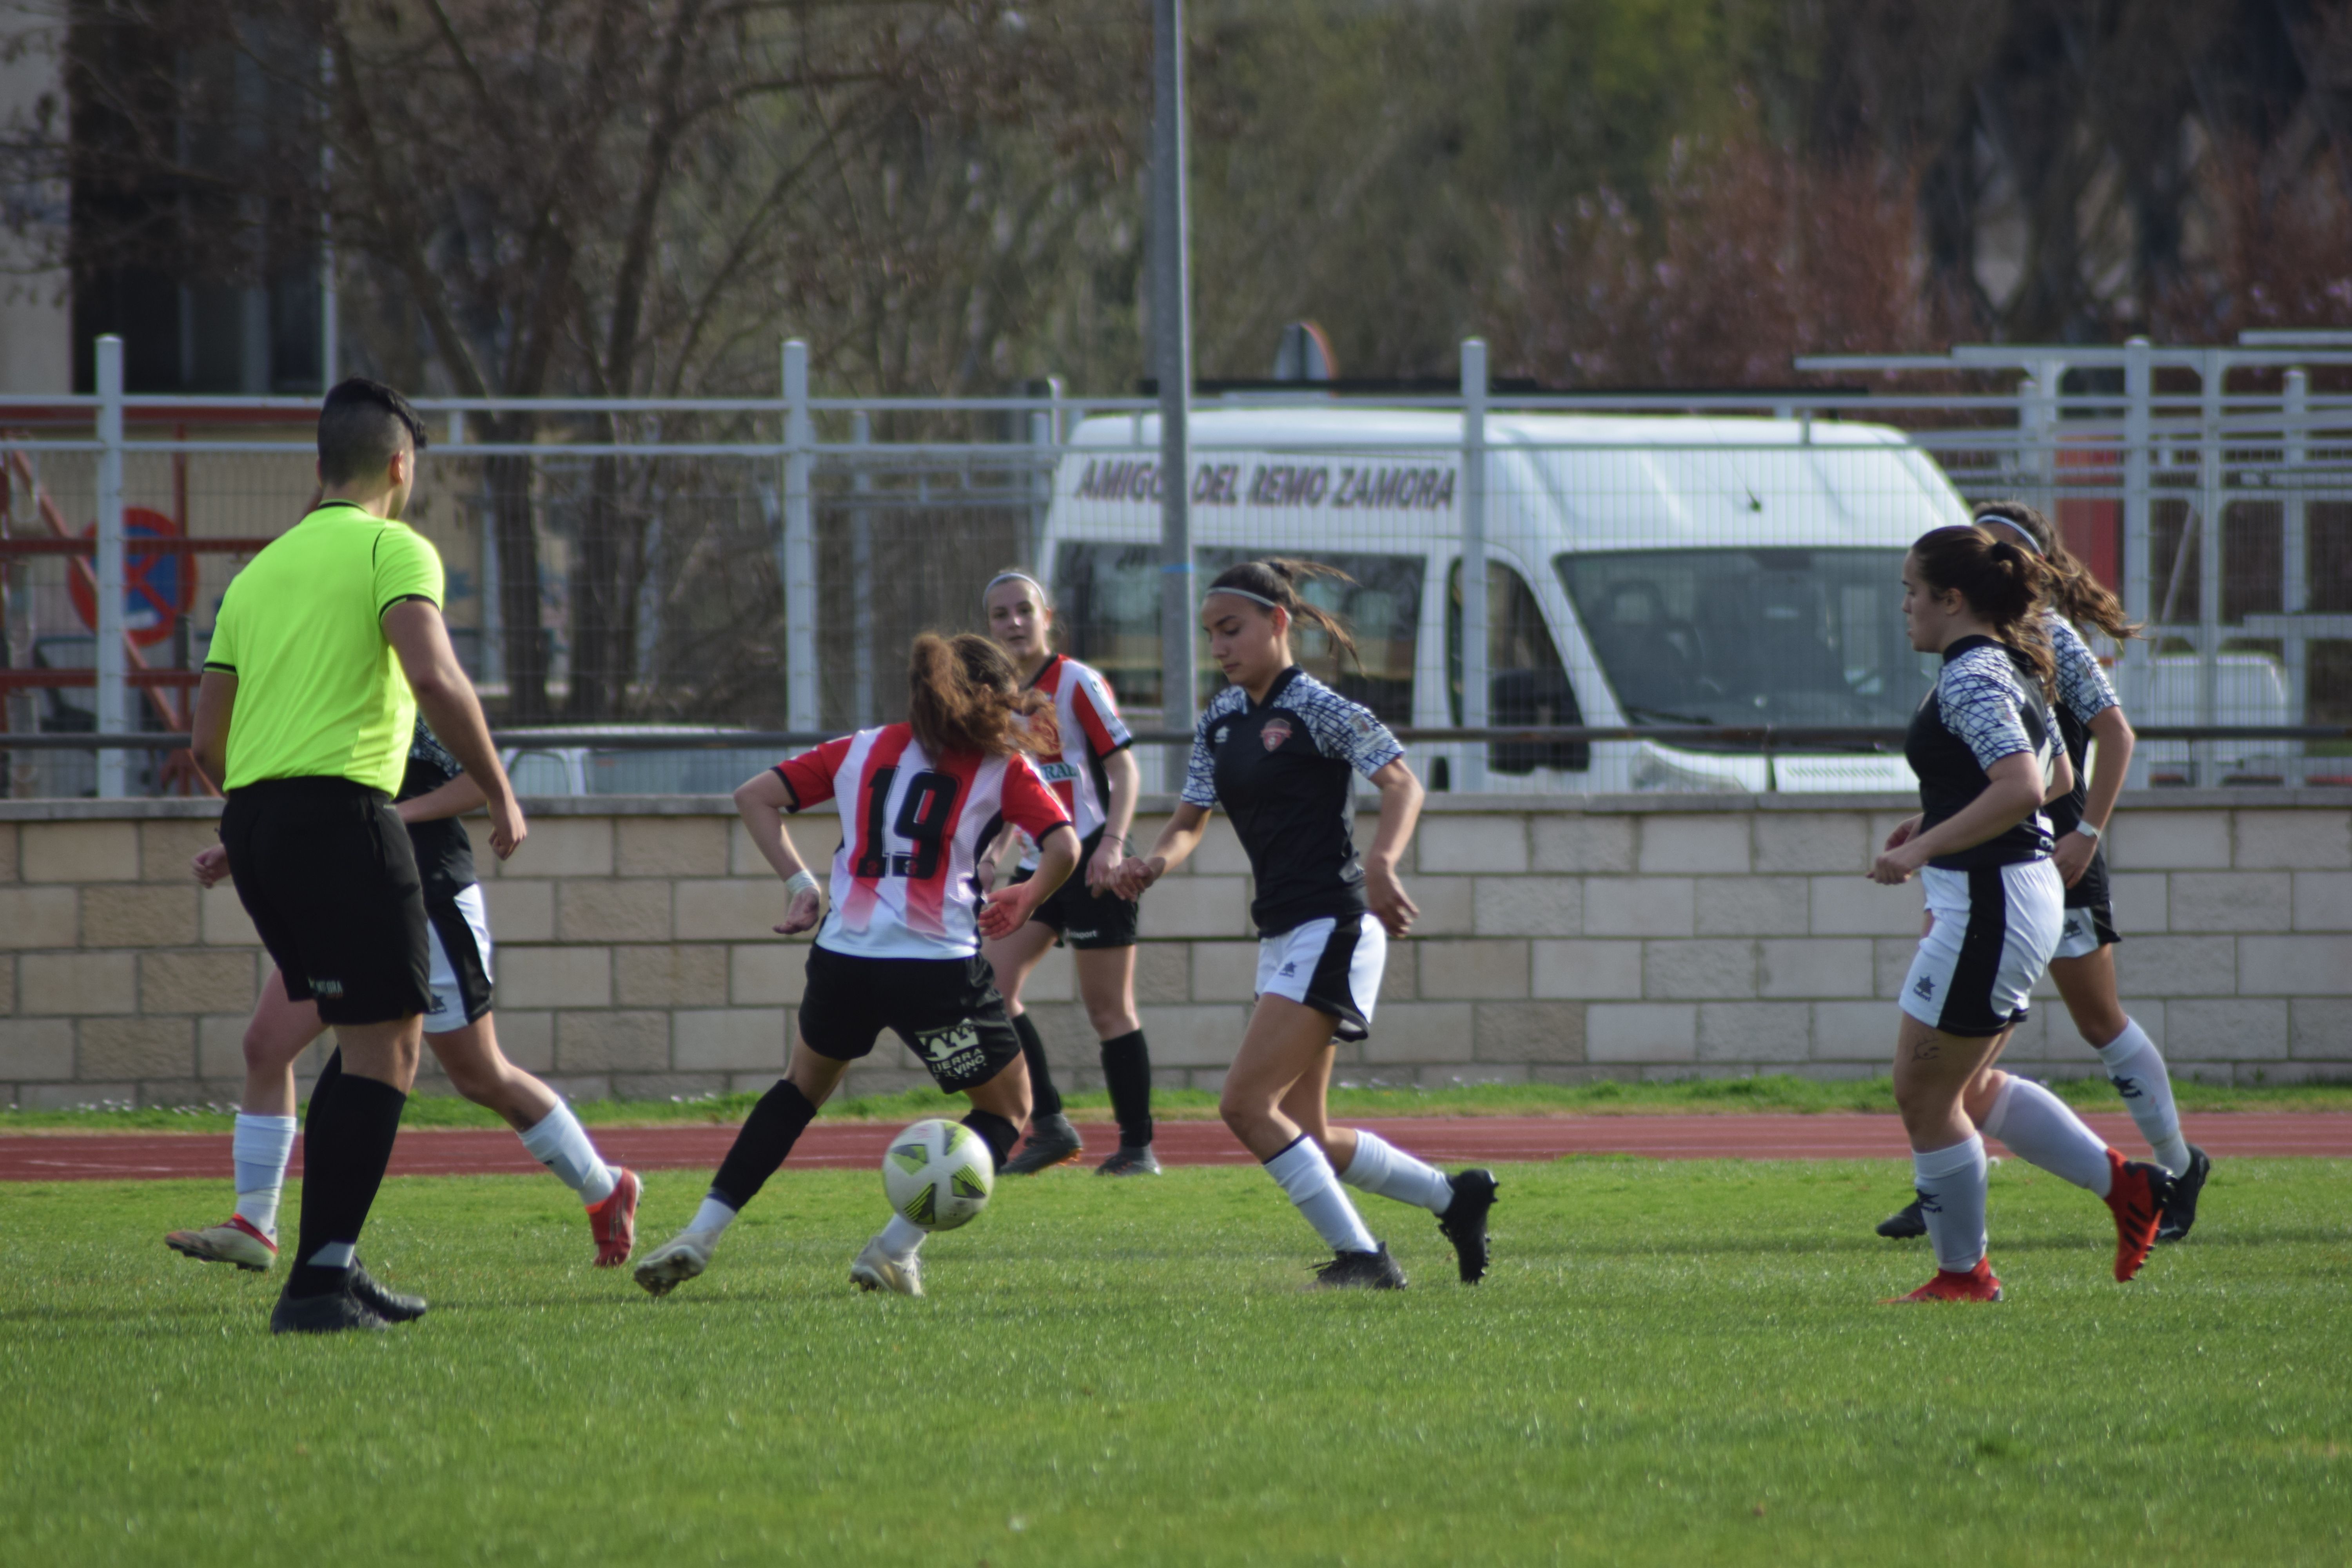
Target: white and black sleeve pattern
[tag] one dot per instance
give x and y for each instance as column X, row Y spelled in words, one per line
column 1200, row 767
column 2083, row 687
column 1341, row 728
column 1978, row 700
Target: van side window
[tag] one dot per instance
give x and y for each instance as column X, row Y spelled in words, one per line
column 1527, row 683
column 1109, row 599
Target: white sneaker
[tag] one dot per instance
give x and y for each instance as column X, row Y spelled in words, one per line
column 675, row 1261
column 877, row 1270
column 232, row 1241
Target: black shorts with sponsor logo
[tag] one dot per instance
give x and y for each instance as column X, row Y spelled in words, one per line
column 1078, row 916
column 948, row 1010
column 324, row 868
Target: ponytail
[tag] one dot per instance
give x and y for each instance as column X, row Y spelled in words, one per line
column 962, row 697
column 1274, row 583
column 2073, row 592
column 2006, row 587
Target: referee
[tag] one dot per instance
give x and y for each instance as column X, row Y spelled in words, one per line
column 325, row 647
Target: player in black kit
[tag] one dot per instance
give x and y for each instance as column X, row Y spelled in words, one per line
column 1279, row 749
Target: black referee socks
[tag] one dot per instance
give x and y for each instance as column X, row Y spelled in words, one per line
column 343, row 1157
column 768, row 1134
column 1045, row 1099
column 1127, row 1073
column 996, row 1132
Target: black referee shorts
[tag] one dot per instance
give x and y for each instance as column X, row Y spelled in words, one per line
column 324, row 868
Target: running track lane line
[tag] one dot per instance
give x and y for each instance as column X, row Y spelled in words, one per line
column 34, row 1157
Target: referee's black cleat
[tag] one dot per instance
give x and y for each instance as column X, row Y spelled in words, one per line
column 1463, row 1222
column 335, row 1312
column 1051, row 1142
column 2180, row 1208
column 1131, row 1160
column 1360, row 1271
column 392, row 1306
column 1904, row 1223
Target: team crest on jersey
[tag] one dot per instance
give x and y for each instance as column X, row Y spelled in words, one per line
column 1276, row 730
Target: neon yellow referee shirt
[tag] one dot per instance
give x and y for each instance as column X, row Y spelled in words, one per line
column 319, row 690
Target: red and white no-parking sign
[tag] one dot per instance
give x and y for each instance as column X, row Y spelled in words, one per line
column 158, row 586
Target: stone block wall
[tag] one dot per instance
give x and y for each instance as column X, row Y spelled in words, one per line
column 1561, row 939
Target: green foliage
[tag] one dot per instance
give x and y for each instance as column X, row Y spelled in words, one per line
column 1671, row 1363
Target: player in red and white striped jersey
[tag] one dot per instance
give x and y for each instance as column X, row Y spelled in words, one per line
column 1097, row 778
column 900, row 946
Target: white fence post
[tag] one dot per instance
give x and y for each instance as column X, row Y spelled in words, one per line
column 796, row 552
column 1475, row 685
column 2139, row 687
column 2294, row 589
column 861, row 574
column 2211, row 501
column 110, row 718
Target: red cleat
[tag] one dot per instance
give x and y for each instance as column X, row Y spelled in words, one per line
column 2137, row 1194
column 1976, row 1285
column 613, row 1222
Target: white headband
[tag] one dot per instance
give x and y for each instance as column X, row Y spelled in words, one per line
column 1241, row 594
column 2031, row 543
column 1013, row 577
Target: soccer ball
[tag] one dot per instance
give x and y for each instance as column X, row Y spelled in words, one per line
column 939, row 1174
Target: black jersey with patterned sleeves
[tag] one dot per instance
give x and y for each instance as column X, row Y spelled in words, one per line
column 1284, row 770
column 1983, row 707
column 2083, row 694
column 445, row 855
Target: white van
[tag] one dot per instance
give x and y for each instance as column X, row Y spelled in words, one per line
column 1651, row 570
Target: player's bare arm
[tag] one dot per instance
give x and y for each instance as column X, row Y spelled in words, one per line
column 421, row 639
column 209, row 740
column 1401, row 798
column 455, row 798
column 1007, row 910
column 1177, row 841
column 1125, row 786
column 2111, row 734
column 761, row 801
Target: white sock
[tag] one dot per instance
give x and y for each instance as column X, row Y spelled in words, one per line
column 334, row 1255
column 261, row 1147
column 713, row 1217
column 1380, row 1167
column 902, row 1239
column 560, row 1143
column 1951, row 1183
column 2037, row 1127
column 1306, row 1178
column 2136, row 1070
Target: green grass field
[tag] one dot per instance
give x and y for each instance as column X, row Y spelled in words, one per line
column 1672, row 1363
column 1761, row 1092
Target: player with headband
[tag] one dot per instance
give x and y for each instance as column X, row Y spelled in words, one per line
column 1280, row 752
column 1094, row 772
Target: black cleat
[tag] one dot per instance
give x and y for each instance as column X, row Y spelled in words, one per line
column 1051, row 1142
column 1131, row 1160
column 392, row 1306
column 332, row 1313
column 1904, row 1223
column 2180, row 1207
column 1463, row 1222
column 1360, row 1271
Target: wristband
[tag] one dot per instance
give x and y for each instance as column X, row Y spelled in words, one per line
column 799, row 882
column 2087, row 831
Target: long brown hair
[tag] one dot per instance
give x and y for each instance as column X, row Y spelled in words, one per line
column 1276, row 579
column 962, row 696
column 2076, row 594
column 2004, row 583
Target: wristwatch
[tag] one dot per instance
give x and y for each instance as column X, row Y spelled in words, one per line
column 2087, row 831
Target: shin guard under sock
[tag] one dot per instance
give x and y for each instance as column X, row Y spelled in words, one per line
column 767, row 1136
column 2136, row 1070
column 996, row 1132
column 1127, row 1073
column 2038, row 1128
column 558, row 1142
column 344, row 1154
column 1306, row 1178
column 1045, row 1099
column 1380, row 1167
column 260, row 1148
column 1951, row 1183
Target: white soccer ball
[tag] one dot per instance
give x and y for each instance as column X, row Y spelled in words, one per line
column 939, row 1174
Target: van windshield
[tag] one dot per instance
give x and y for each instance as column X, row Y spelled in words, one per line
column 1750, row 636
column 1107, row 606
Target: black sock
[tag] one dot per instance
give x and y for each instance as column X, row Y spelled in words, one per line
column 328, row 1077
column 343, row 1157
column 997, row 1133
column 1045, row 1099
column 1127, row 1073
column 768, row 1135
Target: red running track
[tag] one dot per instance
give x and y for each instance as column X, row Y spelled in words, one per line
column 116, row 1156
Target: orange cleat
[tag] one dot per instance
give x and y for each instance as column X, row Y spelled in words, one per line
column 2136, row 1193
column 613, row 1222
column 1976, row 1285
